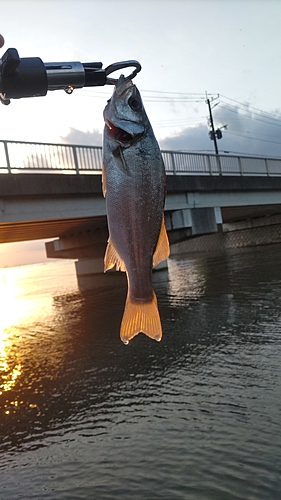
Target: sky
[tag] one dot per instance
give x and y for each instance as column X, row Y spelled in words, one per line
column 229, row 49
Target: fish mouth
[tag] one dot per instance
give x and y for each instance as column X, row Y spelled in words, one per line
column 119, row 134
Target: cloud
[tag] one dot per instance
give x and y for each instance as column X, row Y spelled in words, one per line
column 248, row 132
column 89, row 138
column 189, row 139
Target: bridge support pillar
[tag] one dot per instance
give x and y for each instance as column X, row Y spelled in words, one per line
column 87, row 249
column 90, row 274
column 185, row 223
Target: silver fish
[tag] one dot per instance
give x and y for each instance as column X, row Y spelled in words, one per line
column 134, row 185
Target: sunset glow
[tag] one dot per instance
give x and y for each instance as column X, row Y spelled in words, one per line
column 16, row 308
column 10, row 367
column 27, row 301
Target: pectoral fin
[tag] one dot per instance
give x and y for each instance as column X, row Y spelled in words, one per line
column 162, row 251
column 112, row 258
column 120, row 161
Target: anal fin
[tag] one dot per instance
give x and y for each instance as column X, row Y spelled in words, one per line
column 112, row 258
column 162, row 250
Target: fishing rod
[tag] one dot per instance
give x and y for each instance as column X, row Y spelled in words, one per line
column 31, row 77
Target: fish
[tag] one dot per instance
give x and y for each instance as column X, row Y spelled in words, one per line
column 134, row 186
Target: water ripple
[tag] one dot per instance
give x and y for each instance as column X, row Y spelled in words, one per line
column 196, row 416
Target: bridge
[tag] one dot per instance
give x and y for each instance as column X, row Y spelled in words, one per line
column 54, row 191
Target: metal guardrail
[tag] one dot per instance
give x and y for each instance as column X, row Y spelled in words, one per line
column 38, row 157
column 42, row 157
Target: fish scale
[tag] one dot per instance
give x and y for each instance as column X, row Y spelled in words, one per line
column 134, row 185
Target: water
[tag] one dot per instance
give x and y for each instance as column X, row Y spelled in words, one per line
column 196, row 416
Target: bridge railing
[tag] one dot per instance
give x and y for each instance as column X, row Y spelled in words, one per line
column 42, row 157
column 38, row 157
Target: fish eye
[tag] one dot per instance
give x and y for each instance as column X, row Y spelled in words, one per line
column 135, row 103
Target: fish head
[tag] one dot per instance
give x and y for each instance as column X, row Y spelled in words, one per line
column 124, row 115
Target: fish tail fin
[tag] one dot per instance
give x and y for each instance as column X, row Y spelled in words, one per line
column 141, row 317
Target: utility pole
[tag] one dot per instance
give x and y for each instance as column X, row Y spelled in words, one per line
column 212, row 126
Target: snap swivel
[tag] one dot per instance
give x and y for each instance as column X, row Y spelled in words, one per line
column 121, row 65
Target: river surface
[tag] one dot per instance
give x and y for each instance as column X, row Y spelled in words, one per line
column 196, row 416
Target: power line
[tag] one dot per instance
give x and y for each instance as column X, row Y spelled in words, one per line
column 159, row 96
column 259, row 111
column 153, row 96
column 176, row 93
column 244, row 111
column 250, row 117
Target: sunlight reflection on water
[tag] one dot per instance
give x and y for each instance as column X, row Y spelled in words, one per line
column 195, row 416
column 26, row 294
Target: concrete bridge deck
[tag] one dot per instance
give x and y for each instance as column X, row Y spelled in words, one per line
column 41, row 206
column 46, row 193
